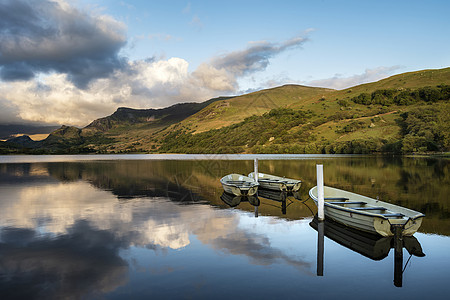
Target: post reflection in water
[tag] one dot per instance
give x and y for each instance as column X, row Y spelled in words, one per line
column 320, row 247
column 372, row 246
column 160, row 229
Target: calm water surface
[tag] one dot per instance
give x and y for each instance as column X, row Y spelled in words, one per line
column 137, row 227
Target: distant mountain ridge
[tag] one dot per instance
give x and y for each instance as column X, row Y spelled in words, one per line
column 405, row 113
column 164, row 116
column 7, row 130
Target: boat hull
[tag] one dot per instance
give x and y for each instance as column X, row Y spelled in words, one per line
column 373, row 222
column 239, row 185
column 277, row 183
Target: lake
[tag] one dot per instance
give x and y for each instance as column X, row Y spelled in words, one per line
column 159, row 226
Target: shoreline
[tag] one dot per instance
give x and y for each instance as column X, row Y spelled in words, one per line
column 26, row 158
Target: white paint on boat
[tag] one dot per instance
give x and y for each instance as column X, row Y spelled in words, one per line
column 350, row 211
column 278, row 183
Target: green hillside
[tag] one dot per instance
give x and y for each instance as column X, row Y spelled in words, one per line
column 401, row 114
column 406, row 113
column 227, row 112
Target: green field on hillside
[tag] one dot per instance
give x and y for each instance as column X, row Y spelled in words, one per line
column 405, row 113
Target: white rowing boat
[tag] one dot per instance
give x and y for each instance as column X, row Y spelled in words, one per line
column 277, row 183
column 367, row 214
column 239, row 185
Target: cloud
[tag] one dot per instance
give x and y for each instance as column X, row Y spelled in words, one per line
column 142, row 84
column 254, row 58
column 56, row 60
column 55, row 37
column 223, row 71
column 146, row 83
column 370, row 75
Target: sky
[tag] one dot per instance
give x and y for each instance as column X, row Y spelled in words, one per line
column 70, row 62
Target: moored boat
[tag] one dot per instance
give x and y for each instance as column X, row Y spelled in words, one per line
column 239, row 185
column 367, row 214
column 277, row 183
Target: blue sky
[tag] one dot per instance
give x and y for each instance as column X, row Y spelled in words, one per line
column 346, row 37
column 73, row 61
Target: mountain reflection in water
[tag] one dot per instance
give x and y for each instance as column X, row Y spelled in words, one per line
column 164, row 229
column 63, row 239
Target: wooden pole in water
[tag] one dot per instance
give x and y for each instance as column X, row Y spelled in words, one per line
column 320, row 193
column 256, row 169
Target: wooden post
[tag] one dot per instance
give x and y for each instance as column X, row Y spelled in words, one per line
column 256, row 169
column 320, row 193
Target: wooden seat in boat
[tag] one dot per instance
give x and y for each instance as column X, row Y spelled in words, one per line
column 369, row 208
column 347, row 202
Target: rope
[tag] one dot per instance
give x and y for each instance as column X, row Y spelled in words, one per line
column 407, row 263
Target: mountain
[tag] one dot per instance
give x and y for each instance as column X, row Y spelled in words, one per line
column 405, row 113
column 152, row 118
column 110, row 130
column 8, row 130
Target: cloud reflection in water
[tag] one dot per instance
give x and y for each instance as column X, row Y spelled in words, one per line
column 65, row 239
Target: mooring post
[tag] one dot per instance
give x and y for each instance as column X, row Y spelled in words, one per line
column 320, row 193
column 256, row 169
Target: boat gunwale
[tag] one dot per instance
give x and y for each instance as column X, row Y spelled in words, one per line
column 364, row 213
column 251, row 183
column 285, row 180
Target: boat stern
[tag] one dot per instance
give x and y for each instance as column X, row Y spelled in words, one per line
column 385, row 227
column 295, row 187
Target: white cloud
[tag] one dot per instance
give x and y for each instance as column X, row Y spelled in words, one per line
column 54, row 98
column 70, row 72
column 370, row 75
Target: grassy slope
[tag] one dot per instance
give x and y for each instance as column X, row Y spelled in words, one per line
column 134, row 128
column 227, row 112
column 220, row 113
column 377, row 121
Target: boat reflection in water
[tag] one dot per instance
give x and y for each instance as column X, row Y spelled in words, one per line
column 283, row 197
column 372, row 246
column 233, row 201
column 278, row 199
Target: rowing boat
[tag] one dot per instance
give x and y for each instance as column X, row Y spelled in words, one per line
column 277, row 183
column 239, row 185
column 367, row 214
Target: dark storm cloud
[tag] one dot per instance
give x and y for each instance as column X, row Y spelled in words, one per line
column 45, row 36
